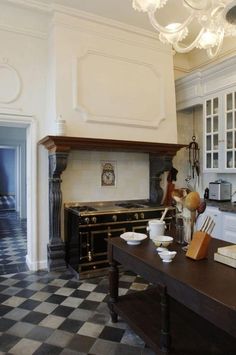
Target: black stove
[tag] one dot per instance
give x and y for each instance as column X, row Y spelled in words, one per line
column 88, row 225
column 129, row 205
column 109, row 211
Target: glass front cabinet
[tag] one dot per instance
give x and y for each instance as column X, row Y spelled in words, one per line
column 220, row 133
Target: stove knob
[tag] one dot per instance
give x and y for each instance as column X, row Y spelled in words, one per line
column 114, row 218
column 136, row 216
column 94, row 220
column 86, row 220
column 142, row 215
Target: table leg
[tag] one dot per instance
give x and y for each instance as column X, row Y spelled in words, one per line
column 165, row 319
column 113, row 287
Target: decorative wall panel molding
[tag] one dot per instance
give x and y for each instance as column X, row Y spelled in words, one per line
column 10, row 83
column 118, row 90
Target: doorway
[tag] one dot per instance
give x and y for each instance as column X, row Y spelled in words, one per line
column 13, row 212
column 25, row 154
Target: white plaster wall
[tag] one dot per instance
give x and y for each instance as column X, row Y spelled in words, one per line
column 23, row 38
column 137, row 100
column 44, row 61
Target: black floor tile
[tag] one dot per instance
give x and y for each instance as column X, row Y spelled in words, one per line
column 80, row 294
column 7, row 341
column 25, row 293
column 58, row 299
column 29, row 304
column 4, row 309
column 34, row 317
column 63, row 311
column 50, row 289
column 46, row 349
column 71, row 325
column 5, row 324
column 81, row 343
column 90, row 305
column 112, row 334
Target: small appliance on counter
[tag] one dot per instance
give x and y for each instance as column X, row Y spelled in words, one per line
column 220, row 190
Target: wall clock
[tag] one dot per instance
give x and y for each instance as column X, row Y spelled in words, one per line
column 108, row 177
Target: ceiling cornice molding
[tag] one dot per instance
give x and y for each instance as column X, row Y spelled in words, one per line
column 103, row 21
column 138, row 41
column 32, row 4
column 207, row 63
column 89, row 17
column 24, row 31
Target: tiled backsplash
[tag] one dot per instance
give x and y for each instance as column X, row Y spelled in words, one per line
column 81, row 181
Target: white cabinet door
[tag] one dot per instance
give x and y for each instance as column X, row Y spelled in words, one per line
column 229, row 227
column 212, row 133
column 219, row 127
column 216, row 215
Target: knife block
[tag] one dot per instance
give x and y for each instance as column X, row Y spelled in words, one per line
column 198, row 246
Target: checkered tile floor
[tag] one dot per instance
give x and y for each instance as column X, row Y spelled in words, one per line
column 13, row 244
column 53, row 313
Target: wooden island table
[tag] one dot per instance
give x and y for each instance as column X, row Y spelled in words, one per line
column 190, row 307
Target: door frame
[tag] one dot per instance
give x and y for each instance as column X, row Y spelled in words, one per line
column 29, row 122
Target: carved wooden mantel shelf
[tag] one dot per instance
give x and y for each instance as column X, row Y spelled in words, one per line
column 65, row 144
column 59, row 147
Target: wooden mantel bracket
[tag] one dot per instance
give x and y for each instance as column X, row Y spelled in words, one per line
column 58, row 147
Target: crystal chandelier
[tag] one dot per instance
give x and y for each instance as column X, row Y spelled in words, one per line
column 217, row 19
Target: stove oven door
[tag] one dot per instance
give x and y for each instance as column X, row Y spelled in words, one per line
column 93, row 245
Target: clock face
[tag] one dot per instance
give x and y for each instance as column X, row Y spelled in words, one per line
column 108, row 178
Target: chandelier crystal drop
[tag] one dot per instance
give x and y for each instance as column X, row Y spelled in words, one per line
column 217, row 19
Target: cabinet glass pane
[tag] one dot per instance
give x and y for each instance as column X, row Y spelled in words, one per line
column 215, row 105
column 215, row 124
column 234, row 140
column 215, row 160
column 208, row 142
column 208, row 107
column 234, row 99
column 229, row 120
column 208, row 125
column 215, row 141
column 208, row 160
column 234, row 160
column 229, row 143
column 229, row 159
column 229, row 102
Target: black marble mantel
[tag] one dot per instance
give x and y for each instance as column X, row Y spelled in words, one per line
column 160, row 158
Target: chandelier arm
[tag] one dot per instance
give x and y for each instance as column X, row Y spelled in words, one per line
column 210, row 52
column 165, row 30
column 195, row 7
column 183, row 48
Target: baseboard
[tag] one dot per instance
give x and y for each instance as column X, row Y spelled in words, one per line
column 37, row 265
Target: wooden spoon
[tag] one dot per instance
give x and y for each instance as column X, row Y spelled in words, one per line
column 201, row 208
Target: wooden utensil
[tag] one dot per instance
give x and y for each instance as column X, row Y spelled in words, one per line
column 201, row 209
column 164, row 214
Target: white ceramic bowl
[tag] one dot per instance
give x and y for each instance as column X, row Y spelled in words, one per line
column 162, row 241
column 167, row 256
column 133, row 238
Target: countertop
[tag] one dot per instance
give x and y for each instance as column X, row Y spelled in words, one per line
column 223, row 206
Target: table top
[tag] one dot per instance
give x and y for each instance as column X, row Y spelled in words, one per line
column 205, row 286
